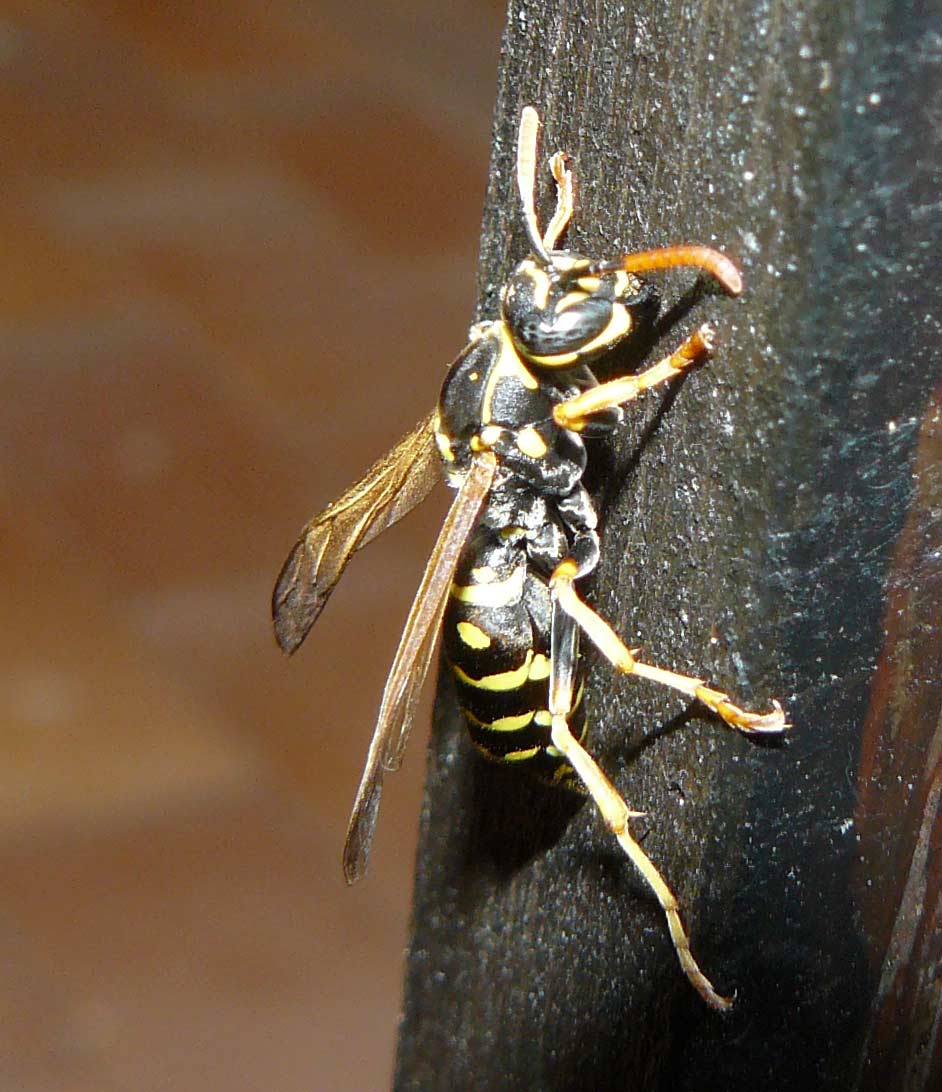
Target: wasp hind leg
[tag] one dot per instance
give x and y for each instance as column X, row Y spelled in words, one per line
column 611, row 804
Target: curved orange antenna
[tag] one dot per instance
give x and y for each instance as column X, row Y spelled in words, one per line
column 702, row 257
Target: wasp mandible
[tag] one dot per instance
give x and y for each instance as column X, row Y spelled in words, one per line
column 509, row 432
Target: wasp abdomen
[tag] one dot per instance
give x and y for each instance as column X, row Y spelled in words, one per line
column 496, row 639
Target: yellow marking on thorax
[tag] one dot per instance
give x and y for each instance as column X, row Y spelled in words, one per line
column 499, row 593
column 444, row 445
column 502, row 680
column 486, row 438
column 484, row 574
column 473, row 636
column 531, row 443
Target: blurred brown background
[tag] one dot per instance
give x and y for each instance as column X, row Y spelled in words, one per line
column 239, row 245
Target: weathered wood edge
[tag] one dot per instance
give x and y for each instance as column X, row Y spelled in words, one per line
column 743, row 539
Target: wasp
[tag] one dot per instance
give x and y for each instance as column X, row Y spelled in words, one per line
column 509, row 432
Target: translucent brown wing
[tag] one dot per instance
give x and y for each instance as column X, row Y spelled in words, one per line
column 389, row 489
column 411, row 663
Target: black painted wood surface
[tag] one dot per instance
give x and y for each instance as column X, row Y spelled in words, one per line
column 752, row 532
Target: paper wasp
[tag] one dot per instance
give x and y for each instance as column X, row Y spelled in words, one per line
column 509, row 430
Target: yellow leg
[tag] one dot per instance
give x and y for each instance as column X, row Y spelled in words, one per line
column 601, row 634
column 616, row 814
column 609, row 801
column 574, row 413
column 563, row 213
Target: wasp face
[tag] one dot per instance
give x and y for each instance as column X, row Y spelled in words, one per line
column 562, row 314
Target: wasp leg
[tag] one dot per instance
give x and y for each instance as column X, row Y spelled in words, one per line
column 601, row 634
column 575, row 412
column 563, row 213
column 608, row 800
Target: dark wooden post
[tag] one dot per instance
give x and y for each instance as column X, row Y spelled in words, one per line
column 753, row 519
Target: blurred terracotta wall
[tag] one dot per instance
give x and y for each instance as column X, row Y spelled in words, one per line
column 239, row 244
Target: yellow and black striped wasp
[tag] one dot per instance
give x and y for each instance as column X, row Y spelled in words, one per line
column 509, row 434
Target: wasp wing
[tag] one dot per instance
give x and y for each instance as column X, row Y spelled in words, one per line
column 412, row 661
column 389, row 489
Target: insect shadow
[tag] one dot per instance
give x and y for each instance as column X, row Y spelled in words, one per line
column 516, row 818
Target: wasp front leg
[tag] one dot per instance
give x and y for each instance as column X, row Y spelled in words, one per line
column 575, row 413
column 609, row 801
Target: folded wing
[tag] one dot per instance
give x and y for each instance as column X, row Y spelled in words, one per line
column 389, row 489
column 412, row 662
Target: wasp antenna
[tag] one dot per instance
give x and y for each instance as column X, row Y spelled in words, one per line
column 701, row 257
column 563, row 213
column 526, row 178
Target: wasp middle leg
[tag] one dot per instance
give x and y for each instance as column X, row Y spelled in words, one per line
column 622, row 658
column 611, row 804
